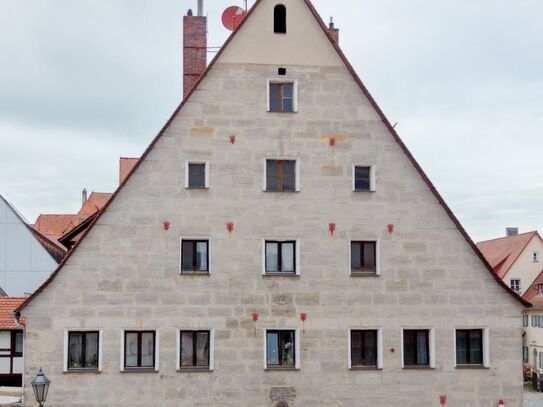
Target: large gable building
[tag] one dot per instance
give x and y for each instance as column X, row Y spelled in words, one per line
column 276, row 245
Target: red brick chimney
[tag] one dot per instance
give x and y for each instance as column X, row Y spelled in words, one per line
column 333, row 30
column 194, row 48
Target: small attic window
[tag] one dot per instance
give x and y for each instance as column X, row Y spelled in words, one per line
column 282, row 71
column 280, row 19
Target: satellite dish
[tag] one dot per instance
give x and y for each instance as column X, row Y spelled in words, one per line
column 232, row 17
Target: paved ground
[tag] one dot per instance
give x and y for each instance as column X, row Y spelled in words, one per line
column 532, row 399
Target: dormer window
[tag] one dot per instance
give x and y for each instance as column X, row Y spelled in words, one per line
column 280, row 19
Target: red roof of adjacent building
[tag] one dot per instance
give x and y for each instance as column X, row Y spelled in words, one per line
column 52, row 226
column 503, row 252
column 532, row 294
column 126, row 164
column 7, row 306
column 95, row 202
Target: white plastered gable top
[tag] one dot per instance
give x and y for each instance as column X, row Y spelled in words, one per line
column 305, row 43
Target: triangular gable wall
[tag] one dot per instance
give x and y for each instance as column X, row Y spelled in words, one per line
column 227, row 51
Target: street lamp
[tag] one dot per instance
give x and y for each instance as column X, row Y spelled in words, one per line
column 40, row 385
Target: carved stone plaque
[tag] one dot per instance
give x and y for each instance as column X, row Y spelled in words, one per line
column 282, row 395
column 282, row 299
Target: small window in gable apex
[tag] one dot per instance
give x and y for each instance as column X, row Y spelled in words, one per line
column 280, row 19
column 282, row 71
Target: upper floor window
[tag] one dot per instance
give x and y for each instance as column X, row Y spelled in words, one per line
column 364, row 349
column 280, row 257
column 17, row 343
column 469, row 346
column 197, row 174
column 363, row 178
column 525, row 321
column 418, row 348
column 194, row 256
column 195, row 350
column 515, row 285
column 281, row 176
column 140, row 350
column 83, row 350
column 535, row 257
column 282, row 349
column 282, row 97
column 280, row 19
column 364, row 257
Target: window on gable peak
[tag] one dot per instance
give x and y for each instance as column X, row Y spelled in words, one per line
column 280, row 19
column 535, row 257
column 515, row 285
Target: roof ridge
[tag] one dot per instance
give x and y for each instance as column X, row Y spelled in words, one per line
column 508, row 237
column 372, row 101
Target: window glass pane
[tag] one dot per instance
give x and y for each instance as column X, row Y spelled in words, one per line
column 272, row 345
column 370, row 348
column 288, row 90
column 356, row 348
column 409, row 348
column 287, row 257
column 355, row 256
column 91, row 350
column 289, row 175
column 272, row 177
column 187, row 349
column 274, row 90
column 201, row 253
column 272, row 257
column 461, row 348
column 187, row 255
column 147, row 349
column 288, row 105
column 422, row 348
column 369, row 256
column 131, row 350
column 19, row 342
column 275, row 104
column 75, row 351
column 202, row 348
column 362, row 178
column 287, row 343
column 476, row 347
column 197, row 175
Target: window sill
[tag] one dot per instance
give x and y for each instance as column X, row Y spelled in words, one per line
column 415, row 367
column 273, row 111
column 195, row 273
column 280, row 192
column 281, row 369
column 279, row 274
column 197, row 188
column 84, row 371
column 364, row 274
column 363, row 191
column 194, row 370
column 139, row 370
column 367, row 368
column 472, row 367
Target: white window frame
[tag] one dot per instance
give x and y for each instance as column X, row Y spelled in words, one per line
column 186, row 273
column 431, row 344
column 211, row 350
column 187, row 163
column 535, row 256
column 486, row 344
column 377, row 255
column 297, row 350
column 157, row 349
column 379, row 347
column 297, row 181
column 296, row 254
column 519, row 284
column 373, row 184
column 66, row 340
column 283, row 80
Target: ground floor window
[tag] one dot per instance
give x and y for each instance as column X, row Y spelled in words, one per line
column 525, row 354
column 416, row 347
column 469, row 346
column 195, row 349
column 139, row 349
column 83, row 350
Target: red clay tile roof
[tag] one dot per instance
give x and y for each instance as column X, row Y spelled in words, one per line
column 532, row 295
column 126, row 164
column 95, row 202
column 52, row 226
column 7, row 306
column 503, row 252
column 372, row 101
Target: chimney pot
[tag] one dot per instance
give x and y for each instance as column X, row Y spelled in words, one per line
column 511, row 232
column 189, row 13
column 84, row 196
column 200, row 8
column 333, row 30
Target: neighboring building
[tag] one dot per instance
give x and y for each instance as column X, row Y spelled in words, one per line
column 276, row 245
column 11, row 343
column 516, row 259
column 27, row 257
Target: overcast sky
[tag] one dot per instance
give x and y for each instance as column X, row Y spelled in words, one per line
column 83, row 82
